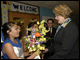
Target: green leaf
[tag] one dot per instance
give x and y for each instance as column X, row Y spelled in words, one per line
column 27, row 44
column 23, row 39
column 48, row 38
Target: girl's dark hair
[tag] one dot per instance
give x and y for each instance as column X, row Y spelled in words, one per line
column 30, row 25
column 33, row 24
column 7, row 26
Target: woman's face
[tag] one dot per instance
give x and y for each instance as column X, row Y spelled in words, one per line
column 14, row 31
column 60, row 19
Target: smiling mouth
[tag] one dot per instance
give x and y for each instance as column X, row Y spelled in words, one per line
column 57, row 20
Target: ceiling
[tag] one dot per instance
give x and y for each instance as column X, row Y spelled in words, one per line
column 74, row 5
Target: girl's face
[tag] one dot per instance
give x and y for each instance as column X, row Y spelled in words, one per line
column 19, row 28
column 60, row 19
column 14, row 31
column 34, row 27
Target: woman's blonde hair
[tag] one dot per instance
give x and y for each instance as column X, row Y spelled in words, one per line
column 62, row 10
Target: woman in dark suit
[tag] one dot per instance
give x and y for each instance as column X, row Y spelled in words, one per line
column 66, row 37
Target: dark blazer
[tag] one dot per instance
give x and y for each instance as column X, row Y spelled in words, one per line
column 48, row 43
column 48, row 35
column 66, row 43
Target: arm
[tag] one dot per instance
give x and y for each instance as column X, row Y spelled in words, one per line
column 43, row 55
column 8, row 49
column 69, row 40
column 51, row 48
column 26, row 53
column 1, row 53
column 32, row 56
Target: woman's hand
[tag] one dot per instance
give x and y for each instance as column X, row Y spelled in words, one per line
column 46, row 50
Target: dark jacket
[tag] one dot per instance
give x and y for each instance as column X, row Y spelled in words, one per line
column 48, row 43
column 66, row 43
column 48, row 35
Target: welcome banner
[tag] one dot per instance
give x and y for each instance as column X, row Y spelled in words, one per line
column 24, row 8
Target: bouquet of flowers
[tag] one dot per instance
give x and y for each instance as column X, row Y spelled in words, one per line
column 36, row 40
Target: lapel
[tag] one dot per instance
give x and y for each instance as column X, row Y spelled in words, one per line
column 59, row 31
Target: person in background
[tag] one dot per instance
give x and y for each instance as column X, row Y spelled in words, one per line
column 34, row 28
column 11, row 47
column 51, row 33
column 66, row 37
column 32, row 24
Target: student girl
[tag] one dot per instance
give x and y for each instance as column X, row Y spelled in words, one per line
column 11, row 47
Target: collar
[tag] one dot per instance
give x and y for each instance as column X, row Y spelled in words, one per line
column 65, row 23
column 49, row 28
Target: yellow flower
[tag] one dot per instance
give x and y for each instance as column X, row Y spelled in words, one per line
column 44, row 39
column 29, row 36
column 38, row 46
column 43, row 29
column 34, row 49
column 42, row 36
column 43, row 33
column 43, row 21
column 26, row 39
column 38, row 22
column 40, row 39
column 28, row 29
column 43, row 48
column 30, row 49
column 41, row 26
column 47, row 30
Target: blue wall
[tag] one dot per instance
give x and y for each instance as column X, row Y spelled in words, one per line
column 46, row 12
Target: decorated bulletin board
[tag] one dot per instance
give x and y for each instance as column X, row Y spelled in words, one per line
column 4, row 13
